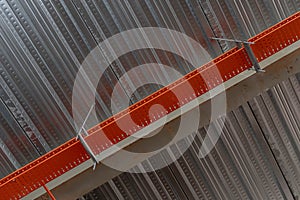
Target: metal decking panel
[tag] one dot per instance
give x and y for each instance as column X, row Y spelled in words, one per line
column 44, row 42
column 16, row 148
column 257, row 157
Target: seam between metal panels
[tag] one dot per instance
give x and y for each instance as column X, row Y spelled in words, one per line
column 27, row 136
column 272, row 152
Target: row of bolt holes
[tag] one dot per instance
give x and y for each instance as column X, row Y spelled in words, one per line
column 259, row 36
column 286, row 43
column 38, row 161
column 148, row 99
column 158, row 93
column 47, row 179
column 110, row 120
column 99, row 149
column 162, row 90
column 118, row 138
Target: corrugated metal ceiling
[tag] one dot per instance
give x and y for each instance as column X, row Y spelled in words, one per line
column 44, row 42
column 257, row 157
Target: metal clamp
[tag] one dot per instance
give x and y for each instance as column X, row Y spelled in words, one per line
column 83, row 142
column 248, row 49
column 88, row 149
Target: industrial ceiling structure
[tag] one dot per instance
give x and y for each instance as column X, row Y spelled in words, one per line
column 257, row 157
column 44, row 43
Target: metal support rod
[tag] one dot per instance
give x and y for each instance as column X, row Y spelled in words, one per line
column 88, row 149
column 231, row 40
column 253, row 59
column 82, row 141
column 49, row 192
column 86, row 118
column 248, row 49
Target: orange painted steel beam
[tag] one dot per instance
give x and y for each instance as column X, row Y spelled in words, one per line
column 109, row 133
column 71, row 154
column 276, row 37
column 43, row 170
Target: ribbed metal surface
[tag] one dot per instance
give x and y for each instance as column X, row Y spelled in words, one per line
column 259, row 144
column 39, row 60
column 243, row 19
column 44, row 42
column 278, row 115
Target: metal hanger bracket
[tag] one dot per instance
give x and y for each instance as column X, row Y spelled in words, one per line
column 248, row 49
